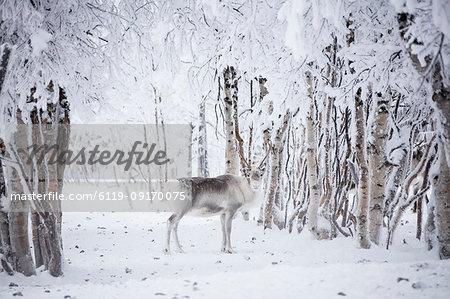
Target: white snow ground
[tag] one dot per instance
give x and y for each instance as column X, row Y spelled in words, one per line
column 119, row 255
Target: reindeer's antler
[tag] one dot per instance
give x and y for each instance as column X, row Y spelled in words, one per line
column 243, row 160
column 268, row 152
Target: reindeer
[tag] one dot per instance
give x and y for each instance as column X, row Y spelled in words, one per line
column 223, row 195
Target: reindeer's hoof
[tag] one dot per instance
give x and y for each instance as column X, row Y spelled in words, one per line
column 179, row 250
column 166, row 251
column 230, row 251
column 223, row 249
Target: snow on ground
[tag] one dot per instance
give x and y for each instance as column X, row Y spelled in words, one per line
column 119, row 255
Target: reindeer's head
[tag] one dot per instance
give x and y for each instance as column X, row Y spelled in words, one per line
column 254, row 174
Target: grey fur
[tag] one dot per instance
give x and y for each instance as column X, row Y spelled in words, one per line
column 223, row 195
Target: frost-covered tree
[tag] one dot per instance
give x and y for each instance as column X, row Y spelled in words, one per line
column 425, row 28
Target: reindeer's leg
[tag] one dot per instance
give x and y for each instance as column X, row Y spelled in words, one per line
column 175, row 234
column 224, row 233
column 228, row 220
column 170, row 224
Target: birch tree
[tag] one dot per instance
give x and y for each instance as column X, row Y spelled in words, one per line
column 363, row 188
column 231, row 156
column 377, row 162
column 313, row 180
column 424, row 30
column 272, row 210
column 33, row 93
column 203, row 169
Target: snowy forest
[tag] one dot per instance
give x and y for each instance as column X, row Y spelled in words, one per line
column 342, row 105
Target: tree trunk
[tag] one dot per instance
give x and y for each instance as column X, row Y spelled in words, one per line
column 53, row 221
column 313, row 179
column 275, row 174
column 5, row 243
column 36, row 223
column 231, row 157
column 377, row 159
column 266, row 140
column 442, row 208
column 394, row 182
column 52, row 214
column 419, row 218
column 327, row 210
column 36, row 226
column 363, row 192
column 430, row 226
column 20, row 246
column 203, row 170
column 441, row 97
column 239, row 141
column 19, row 211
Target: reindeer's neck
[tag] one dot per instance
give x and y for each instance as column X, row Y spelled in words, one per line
column 253, row 192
